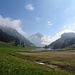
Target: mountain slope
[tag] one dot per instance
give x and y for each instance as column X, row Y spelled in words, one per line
column 5, row 37
column 15, row 34
column 67, row 39
column 36, row 39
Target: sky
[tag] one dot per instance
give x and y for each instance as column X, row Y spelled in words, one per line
column 49, row 17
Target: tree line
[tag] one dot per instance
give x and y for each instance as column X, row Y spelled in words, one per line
column 9, row 38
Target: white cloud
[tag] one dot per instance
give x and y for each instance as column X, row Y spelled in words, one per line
column 49, row 23
column 69, row 27
column 46, row 40
column 15, row 24
column 38, row 19
column 29, row 7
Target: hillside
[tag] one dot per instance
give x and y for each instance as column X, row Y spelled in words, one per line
column 5, row 37
column 67, row 39
column 12, row 34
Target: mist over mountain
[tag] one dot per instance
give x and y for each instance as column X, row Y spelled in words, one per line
column 5, row 37
column 36, row 39
column 13, row 33
column 68, row 35
column 67, row 39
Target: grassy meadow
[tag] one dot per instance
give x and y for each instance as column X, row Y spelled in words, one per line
column 26, row 61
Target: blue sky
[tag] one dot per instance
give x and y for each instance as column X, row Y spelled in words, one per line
column 49, row 17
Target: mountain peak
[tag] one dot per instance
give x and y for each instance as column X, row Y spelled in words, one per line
column 36, row 39
column 39, row 35
column 68, row 35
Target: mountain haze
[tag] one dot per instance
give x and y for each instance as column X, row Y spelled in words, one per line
column 15, row 34
column 36, row 39
column 67, row 39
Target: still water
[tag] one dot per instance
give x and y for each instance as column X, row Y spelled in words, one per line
column 41, row 48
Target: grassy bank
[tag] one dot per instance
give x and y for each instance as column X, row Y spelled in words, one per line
column 12, row 62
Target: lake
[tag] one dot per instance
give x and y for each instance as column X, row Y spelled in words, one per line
column 41, row 48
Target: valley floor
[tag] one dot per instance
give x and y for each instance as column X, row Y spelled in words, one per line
column 27, row 61
column 58, row 60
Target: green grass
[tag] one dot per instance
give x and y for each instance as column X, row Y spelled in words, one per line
column 69, row 48
column 12, row 63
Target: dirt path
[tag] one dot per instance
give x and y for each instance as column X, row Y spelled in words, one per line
column 55, row 67
column 58, row 66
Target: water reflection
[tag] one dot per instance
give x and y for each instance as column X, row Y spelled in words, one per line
column 41, row 48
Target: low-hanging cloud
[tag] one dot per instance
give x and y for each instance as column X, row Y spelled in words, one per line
column 15, row 24
column 46, row 40
column 70, row 27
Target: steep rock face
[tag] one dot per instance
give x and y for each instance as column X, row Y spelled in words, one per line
column 36, row 39
column 67, row 39
column 15, row 34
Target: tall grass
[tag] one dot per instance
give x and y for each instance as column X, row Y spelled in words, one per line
column 12, row 63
